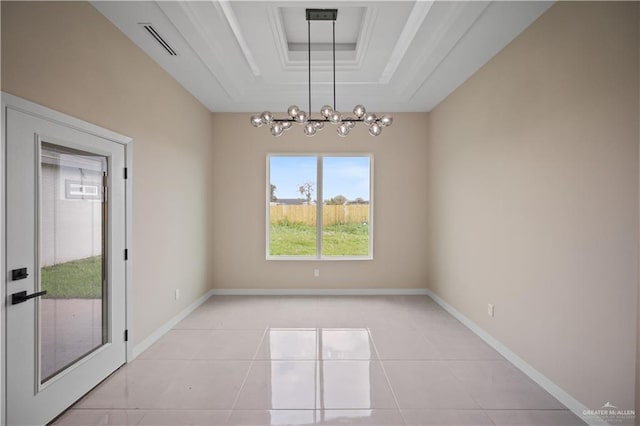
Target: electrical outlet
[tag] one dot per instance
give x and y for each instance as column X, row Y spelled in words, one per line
column 490, row 310
column 316, row 273
column 177, row 294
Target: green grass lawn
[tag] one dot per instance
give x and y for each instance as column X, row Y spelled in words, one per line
column 76, row 279
column 338, row 240
column 346, row 240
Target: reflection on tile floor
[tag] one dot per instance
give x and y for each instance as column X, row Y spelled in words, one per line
column 319, row 361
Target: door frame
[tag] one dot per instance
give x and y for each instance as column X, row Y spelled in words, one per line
column 19, row 104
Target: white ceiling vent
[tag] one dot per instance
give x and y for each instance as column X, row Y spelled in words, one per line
column 152, row 31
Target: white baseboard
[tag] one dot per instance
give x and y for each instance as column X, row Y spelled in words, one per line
column 162, row 330
column 320, row 292
column 570, row 402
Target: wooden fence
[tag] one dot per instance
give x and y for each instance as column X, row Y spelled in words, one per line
column 331, row 214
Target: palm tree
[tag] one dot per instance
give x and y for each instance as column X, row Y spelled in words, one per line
column 306, row 189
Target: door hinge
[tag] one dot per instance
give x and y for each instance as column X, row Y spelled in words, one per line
column 105, row 180
column 126, row 173
column 126, row 254
column 126, row 335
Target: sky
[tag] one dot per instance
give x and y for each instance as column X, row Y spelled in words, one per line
column 348, row 176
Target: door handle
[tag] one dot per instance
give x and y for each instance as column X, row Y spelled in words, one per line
column 22, row 296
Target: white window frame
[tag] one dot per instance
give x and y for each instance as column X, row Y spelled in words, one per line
column 319, row 205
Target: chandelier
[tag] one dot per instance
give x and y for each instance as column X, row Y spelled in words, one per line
column 329, row 114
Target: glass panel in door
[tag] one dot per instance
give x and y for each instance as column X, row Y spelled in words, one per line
column 72, row 247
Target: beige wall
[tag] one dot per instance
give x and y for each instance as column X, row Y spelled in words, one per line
column 239, row 189
column 533, row 198
column 67, row 56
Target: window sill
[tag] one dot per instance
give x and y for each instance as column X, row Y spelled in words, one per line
column 321, row 259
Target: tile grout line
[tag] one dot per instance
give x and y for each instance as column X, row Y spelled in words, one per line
column 386, row 376
column 246, row 376
column 318, row 360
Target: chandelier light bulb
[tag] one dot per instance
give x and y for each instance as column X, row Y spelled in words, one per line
column 349, row 122
column 301, row 117
column 343, row 130
column 335, row 117
column 266, row 117
column 359, row 111
column 309, row 129
column 256, row 121
column 375, row 129
column 319, row 125
column 326, row 111
column 293, row 111
column 277, row 129
column 286, row 125
column 386, row 120
column 369, row 118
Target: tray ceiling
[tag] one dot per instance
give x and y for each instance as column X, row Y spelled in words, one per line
column 391, row 55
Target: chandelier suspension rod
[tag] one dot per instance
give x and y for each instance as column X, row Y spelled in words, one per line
column 309, row 58
column 334, row 66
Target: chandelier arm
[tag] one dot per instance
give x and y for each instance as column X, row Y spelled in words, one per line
column 315, row 120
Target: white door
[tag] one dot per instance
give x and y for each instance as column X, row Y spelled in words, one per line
column 65, row 235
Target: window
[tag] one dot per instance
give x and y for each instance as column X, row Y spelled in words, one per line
column 338, row 227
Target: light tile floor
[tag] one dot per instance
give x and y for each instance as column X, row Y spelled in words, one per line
column 319, row 360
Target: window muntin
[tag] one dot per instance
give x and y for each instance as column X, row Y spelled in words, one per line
column 300, row 227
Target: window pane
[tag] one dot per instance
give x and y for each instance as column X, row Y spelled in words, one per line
column 345, row 215
column 72, row 260
column 292, row 208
